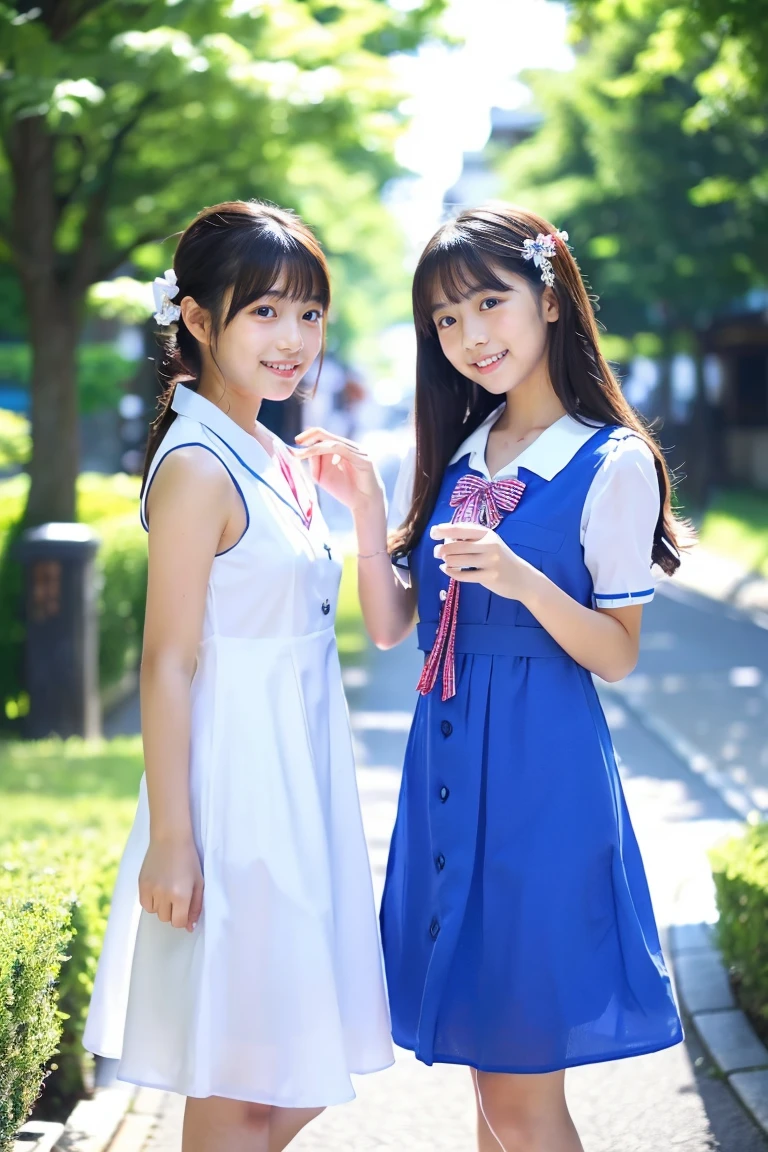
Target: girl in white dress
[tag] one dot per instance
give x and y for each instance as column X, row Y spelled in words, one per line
column 241, row 965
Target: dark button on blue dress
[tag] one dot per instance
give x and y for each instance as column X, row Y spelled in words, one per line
column 542, row 950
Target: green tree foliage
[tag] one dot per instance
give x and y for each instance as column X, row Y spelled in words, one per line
column 721, row 48
column 119, row 120
column 621, row 162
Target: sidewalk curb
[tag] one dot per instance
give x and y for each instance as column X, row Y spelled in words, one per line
column 94, row 1123
column 701, row 979
column 723, row 1030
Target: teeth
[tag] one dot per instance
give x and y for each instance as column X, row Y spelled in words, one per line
column 490, row 360
column 287, row 368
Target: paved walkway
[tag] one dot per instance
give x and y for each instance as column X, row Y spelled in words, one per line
column 669, row 1100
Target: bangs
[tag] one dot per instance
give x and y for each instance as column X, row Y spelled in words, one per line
column 273, row 260
column 454, row 270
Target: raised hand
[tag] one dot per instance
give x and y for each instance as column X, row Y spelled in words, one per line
column 341, row 467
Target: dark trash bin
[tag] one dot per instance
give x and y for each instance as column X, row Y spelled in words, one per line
column 61, row 653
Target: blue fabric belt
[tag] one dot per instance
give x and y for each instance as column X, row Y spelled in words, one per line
column 494, row 640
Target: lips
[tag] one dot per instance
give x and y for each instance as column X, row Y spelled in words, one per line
column 490, row 363
column 281, row 367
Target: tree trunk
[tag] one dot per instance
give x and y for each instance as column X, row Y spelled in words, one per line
column 55, row 439
column 55, row 307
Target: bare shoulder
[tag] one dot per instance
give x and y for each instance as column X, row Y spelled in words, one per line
column 190, row 477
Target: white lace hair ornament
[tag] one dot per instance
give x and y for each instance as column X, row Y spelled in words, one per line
column 540, row 249
column 164, row 289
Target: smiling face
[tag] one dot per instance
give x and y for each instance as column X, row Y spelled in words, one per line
column 271, row 343
column 496, row 336
column 266, row 348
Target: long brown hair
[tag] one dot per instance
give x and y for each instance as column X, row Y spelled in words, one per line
column 242, row 247
column 461, row 258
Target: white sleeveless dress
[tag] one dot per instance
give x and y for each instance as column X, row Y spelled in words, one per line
column 278, row 994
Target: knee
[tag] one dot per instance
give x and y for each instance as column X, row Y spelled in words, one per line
column 256, row 1117
column 517, row 1127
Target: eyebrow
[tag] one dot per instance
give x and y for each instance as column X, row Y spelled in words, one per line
column 474, row 292
column 273, row 294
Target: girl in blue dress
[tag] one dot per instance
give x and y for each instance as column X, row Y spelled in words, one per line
column 518, row 930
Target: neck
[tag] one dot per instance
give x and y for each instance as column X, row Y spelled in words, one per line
column 241, row 408
column 532, row 404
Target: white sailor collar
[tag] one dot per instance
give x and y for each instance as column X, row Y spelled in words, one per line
column 547, row 455
column 188, row 403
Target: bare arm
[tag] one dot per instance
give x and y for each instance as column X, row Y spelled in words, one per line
column 190, row 509
column 389, row 608
column 348, row 473
column 605, row 641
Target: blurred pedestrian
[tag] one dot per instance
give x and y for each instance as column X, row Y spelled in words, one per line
column 241, row 965
column 518, row 931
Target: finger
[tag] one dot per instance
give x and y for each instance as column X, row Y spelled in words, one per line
column 180, row 911
column 195, row 907
column 335, row 447
column 462, row 560
column 311, row 435
column 459, row 548
column 464, row 575
column 458, row 531
column 163, row 910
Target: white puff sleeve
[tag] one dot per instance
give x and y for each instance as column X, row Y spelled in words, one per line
column 402, row 495
column 618, row 524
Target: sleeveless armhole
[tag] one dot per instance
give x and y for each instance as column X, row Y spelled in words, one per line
column 194, row 444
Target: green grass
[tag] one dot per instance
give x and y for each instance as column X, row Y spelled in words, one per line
column 68, row 788
column 350, row 630
column 736, row 525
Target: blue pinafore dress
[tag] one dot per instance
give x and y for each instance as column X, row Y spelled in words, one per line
column 518, row 929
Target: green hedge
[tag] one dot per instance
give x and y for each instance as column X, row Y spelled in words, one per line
column 15, row 440
column 110, row 505
column 740, row 870
column 34, row 931
column 65, row 810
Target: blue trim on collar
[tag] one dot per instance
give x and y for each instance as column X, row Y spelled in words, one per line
column 289, row 506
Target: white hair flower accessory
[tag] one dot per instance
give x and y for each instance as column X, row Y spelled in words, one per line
column 164, row 289
column 540, row 249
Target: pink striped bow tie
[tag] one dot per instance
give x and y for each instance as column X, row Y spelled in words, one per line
column 477, row 501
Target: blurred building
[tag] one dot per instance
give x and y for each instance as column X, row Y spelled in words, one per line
column 740, row 342
column 479, row 181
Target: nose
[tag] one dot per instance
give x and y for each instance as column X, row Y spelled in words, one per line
column 290, row 340
column 474, row 334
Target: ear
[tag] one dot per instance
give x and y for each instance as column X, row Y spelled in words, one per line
column 549, row 306
column 197, row 320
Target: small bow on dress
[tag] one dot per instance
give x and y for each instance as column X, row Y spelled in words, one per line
column 477, row 501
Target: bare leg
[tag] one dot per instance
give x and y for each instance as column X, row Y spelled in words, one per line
column 528, row 1113
column 215, row 1123
column 285, row 1123
column 486, row 1141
